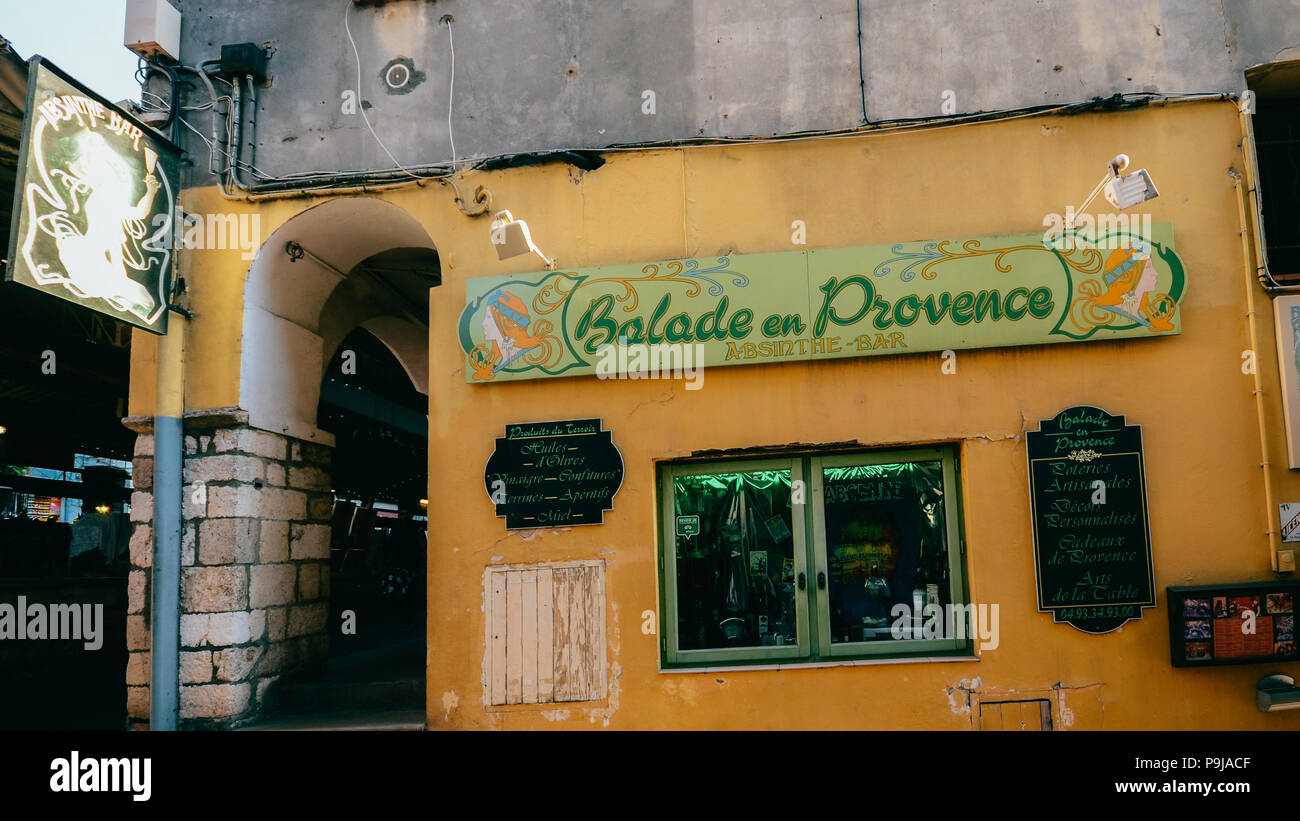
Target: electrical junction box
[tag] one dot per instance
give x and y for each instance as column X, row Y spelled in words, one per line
column 153, row 27
column 243, row 60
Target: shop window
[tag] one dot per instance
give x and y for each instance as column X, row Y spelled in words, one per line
column 812, row 558
column 545, row 633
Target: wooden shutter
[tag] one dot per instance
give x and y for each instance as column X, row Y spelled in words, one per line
column 545, row 638
column 1035, row 714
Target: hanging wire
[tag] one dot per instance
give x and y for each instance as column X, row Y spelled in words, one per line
column 348, row 28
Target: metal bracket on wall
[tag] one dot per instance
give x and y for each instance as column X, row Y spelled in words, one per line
column 482, row 199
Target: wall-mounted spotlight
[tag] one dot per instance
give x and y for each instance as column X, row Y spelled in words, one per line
column 1121, row 192
column 3, row 430
column 1130, row 189
column 101, row 508
column 512, row 238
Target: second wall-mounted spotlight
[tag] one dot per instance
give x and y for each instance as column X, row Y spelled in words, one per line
column 512, row 238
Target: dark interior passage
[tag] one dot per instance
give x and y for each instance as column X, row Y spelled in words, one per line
column 377, row 569
column 65, row 488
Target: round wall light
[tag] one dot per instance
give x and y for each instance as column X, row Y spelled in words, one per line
column 399, row 75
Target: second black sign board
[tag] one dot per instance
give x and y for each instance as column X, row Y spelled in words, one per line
column 554, row 474
column 1092, row 543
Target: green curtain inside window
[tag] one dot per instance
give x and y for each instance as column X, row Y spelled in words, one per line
column 735, row 577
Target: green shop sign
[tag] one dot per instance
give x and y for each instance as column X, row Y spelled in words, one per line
column 821, row 304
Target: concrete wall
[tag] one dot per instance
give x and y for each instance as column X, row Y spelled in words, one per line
column 572, row 73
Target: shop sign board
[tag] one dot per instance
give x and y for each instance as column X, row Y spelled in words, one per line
column 95, row 199
column 1251, row 622
column 1289, row 514
column 1286, row 321
column 1092, row 539
column 554, row 474
column 824, row 304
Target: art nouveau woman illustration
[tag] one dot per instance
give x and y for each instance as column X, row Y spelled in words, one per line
column 1130, row 281
column 98, row 258
column 505, row 329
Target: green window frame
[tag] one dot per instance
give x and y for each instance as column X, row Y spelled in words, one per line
column 819, row 637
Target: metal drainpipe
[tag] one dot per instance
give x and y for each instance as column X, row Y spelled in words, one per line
column 164, row 699
column 237, row 140
column 252, row 124
column 1269, row 509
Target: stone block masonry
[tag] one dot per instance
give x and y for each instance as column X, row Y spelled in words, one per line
column 254, row 569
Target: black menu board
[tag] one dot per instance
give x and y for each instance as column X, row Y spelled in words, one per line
column 1092, row 543
column 1245, row 623
column 554, row 474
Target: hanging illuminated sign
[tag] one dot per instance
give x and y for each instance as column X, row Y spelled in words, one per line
column 94, row 203
column 822, row 304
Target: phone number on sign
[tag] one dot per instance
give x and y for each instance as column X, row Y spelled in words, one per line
column 1079, row 613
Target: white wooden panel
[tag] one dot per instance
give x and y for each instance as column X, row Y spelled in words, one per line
column 545, row 631
column 496, row 611
column 596, row 634
column 514, row 639
column 579, row 653
column 528, row 588
column 563, row 592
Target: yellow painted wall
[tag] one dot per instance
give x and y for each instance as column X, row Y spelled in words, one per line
column 1205, row 488
column 1188, row 393
column 214, row 279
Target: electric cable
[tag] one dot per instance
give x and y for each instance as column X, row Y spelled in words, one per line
column 451, row 89
column 348, row 28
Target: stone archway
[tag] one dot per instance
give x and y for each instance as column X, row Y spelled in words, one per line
column 255, row 578
column 296, row 312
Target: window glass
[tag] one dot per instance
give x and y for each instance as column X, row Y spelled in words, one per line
column 759, row 568
column 886, row 544
column 736, row 576
column 1277, row 148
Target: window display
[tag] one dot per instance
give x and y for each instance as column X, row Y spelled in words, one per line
column 735, row 578
column 885, row 544
column 760, row 565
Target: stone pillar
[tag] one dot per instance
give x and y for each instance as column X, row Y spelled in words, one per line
column 255, row 555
